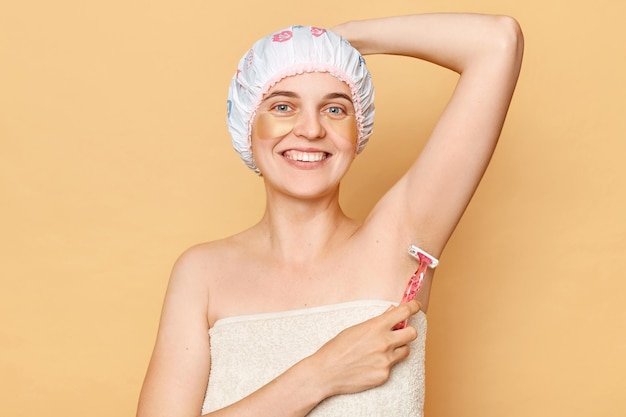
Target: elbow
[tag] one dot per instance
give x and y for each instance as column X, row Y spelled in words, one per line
column 509, row 37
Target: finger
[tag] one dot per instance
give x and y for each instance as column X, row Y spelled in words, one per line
column 404, row 336
column 400, row 313
column 400, row 354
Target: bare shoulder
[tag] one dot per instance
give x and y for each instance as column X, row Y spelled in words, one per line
column 194, row 261
column 206, row 272
column 201, row 261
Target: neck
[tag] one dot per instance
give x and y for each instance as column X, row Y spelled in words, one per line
column 305, row 230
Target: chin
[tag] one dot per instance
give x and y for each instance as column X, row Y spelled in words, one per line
column 305, row 189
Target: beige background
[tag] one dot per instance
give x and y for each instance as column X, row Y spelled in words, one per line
column 114, row 157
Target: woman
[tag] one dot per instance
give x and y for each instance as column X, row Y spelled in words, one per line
column 301, row 308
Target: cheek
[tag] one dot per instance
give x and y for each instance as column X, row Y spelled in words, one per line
column 267, row 126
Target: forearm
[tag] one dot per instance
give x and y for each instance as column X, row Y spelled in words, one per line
column 452, row 40
column 292, row 394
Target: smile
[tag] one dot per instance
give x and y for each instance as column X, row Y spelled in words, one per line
column 305, row 156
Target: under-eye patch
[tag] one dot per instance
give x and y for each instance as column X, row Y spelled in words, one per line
column 269, row 125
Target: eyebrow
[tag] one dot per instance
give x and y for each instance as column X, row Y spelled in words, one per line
column 338, row 95
column 287, row 93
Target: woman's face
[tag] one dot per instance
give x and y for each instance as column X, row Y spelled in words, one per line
column 304, row 134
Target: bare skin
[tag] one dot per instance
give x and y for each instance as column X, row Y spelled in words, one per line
column 304, row 240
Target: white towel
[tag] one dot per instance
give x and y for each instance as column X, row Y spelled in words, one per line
column 249, row 351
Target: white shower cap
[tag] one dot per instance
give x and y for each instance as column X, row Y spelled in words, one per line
column 290, row 51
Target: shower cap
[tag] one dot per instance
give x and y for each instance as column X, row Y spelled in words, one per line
column 291, row 51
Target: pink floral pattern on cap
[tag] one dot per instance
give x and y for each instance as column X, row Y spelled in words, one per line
column 317, row 32
column 249, row 59
column 282, row 36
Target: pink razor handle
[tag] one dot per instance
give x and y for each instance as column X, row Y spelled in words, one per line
column 415, row 283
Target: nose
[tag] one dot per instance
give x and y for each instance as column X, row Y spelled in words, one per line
column 309, row 125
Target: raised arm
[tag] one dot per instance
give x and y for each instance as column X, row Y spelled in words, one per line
column 426, row 204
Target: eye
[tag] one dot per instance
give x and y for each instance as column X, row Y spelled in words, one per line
column 282, row 108
column 335, row 111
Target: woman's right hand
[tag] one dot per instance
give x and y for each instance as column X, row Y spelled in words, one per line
column 361, row 357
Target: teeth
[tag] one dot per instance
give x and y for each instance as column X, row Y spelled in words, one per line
column 305, row 156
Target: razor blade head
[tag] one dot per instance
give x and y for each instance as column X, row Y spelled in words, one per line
column 414, row 251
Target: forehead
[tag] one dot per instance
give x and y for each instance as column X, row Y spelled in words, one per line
column 311, row 84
